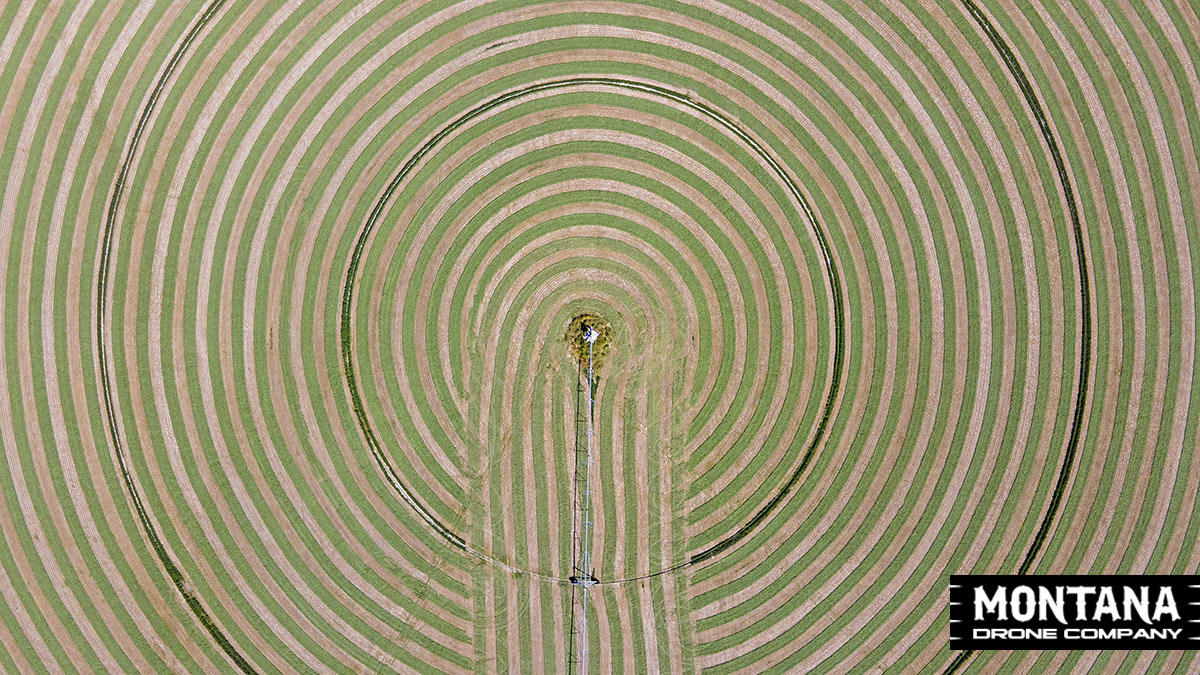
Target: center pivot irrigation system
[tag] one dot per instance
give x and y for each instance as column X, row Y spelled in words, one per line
column 582, row 577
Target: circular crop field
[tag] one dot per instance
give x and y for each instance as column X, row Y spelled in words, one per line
column 295, row 298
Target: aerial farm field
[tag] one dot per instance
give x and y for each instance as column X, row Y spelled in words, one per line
column 297, row 300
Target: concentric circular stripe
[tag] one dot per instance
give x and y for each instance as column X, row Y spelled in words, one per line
column 364, row 235
column 280, row 128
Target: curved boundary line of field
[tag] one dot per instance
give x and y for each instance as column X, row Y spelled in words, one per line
column 1085, row 339
column 832, row 275
column 114, row 204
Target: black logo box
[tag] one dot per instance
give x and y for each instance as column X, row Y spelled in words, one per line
column 975, row 625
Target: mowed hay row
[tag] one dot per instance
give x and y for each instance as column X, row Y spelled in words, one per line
column 894, row 292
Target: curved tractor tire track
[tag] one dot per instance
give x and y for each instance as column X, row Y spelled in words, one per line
column 1085, row 299
column 160, row 551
